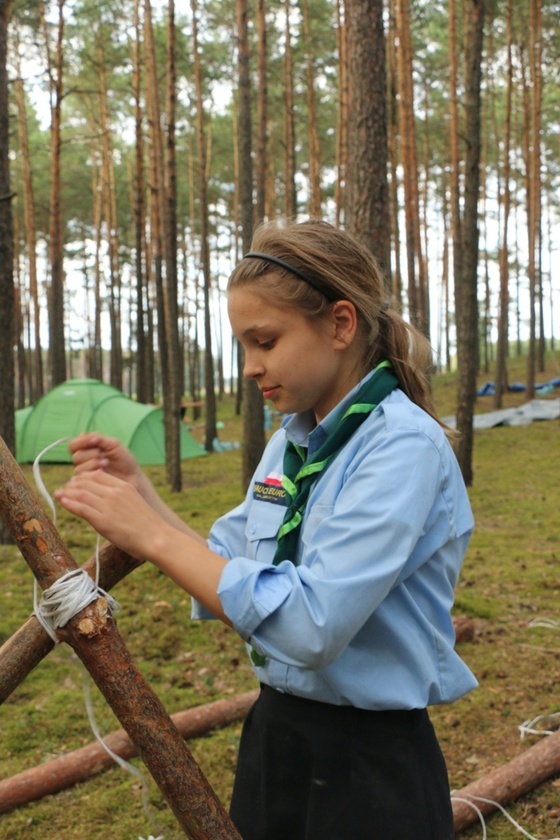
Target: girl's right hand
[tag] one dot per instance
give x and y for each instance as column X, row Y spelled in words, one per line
column 92, row 451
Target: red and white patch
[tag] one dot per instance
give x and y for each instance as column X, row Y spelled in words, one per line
column 274, row 479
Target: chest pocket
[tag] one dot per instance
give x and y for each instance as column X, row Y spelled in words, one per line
column 262, row 526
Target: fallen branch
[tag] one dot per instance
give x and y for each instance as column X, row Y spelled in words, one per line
column 508, row 782
column 82, row 764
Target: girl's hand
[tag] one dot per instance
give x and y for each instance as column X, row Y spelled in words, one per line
column 92, row 451
column 119, row 512
column 114, row 508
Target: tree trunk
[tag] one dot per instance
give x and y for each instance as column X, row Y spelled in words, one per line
column 454, row 129
column 210, row 401
column 173, row 398
column 393, row 150
column 262, row 110
column 534, row 183
column 444, row 319
column 417, row 284
column 57, row 356
column 367, row 197
column 36, row 368
column 95, row 351
column 157, row 205
column 290, row 194
column 424, row 227
column 18, row 329
column 550, row 250
column 485, row 329
column 500, row 376
column 142, row 391
column 110, row 215
column 314, row 203
column 194, row 348
column 466, row 303
column 253, row 415
column 342, row 115
column 7, row 414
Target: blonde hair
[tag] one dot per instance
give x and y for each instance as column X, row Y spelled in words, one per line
column 343, row 269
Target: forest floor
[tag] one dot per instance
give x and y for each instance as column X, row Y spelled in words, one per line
column 510, row 578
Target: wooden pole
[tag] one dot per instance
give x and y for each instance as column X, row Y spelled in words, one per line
column 508, row 782
column 31, row 643
column 94, row 636
column 79, row 765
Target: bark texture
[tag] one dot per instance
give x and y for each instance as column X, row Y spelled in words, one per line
column 367, row 186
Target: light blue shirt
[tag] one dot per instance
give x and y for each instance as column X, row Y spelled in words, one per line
column 363, row 618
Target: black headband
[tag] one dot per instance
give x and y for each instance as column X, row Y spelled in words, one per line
column 271, row 258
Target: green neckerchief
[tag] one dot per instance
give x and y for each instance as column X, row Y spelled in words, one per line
column 300, row 474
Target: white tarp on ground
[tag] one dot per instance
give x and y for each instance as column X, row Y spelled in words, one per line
column 521, row 416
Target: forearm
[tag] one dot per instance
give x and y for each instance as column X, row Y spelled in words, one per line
column 137, row 521
column 152, row 497
column 189, row 563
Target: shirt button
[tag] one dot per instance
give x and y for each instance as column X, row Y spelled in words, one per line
column 253, row 529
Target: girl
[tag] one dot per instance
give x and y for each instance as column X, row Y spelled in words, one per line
column 338, row 569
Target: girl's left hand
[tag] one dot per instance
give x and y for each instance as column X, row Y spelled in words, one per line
column 115, row 509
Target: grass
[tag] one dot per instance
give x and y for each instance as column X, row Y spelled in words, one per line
column 509, row 577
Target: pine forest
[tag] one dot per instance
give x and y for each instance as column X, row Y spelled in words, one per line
column 144, row 140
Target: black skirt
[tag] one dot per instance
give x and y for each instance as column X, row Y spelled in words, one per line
column 313, row 771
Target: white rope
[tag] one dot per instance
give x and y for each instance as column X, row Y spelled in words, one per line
column 495, row 805
column 528, row 726
column 549, row 623
column 477, row 811
column 116, row 758
column 68, row 595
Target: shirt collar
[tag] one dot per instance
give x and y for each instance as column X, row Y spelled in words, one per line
column 302, row 430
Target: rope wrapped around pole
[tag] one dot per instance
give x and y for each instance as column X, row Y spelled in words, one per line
column 31, row 643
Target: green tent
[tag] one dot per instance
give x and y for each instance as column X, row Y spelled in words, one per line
column 87, row 405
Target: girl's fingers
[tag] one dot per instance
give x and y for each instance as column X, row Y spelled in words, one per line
column 112, row 507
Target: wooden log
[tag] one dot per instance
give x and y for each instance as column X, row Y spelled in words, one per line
column 509, row 781
column 79, row 765
column 94, row 636
column 31, row 643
